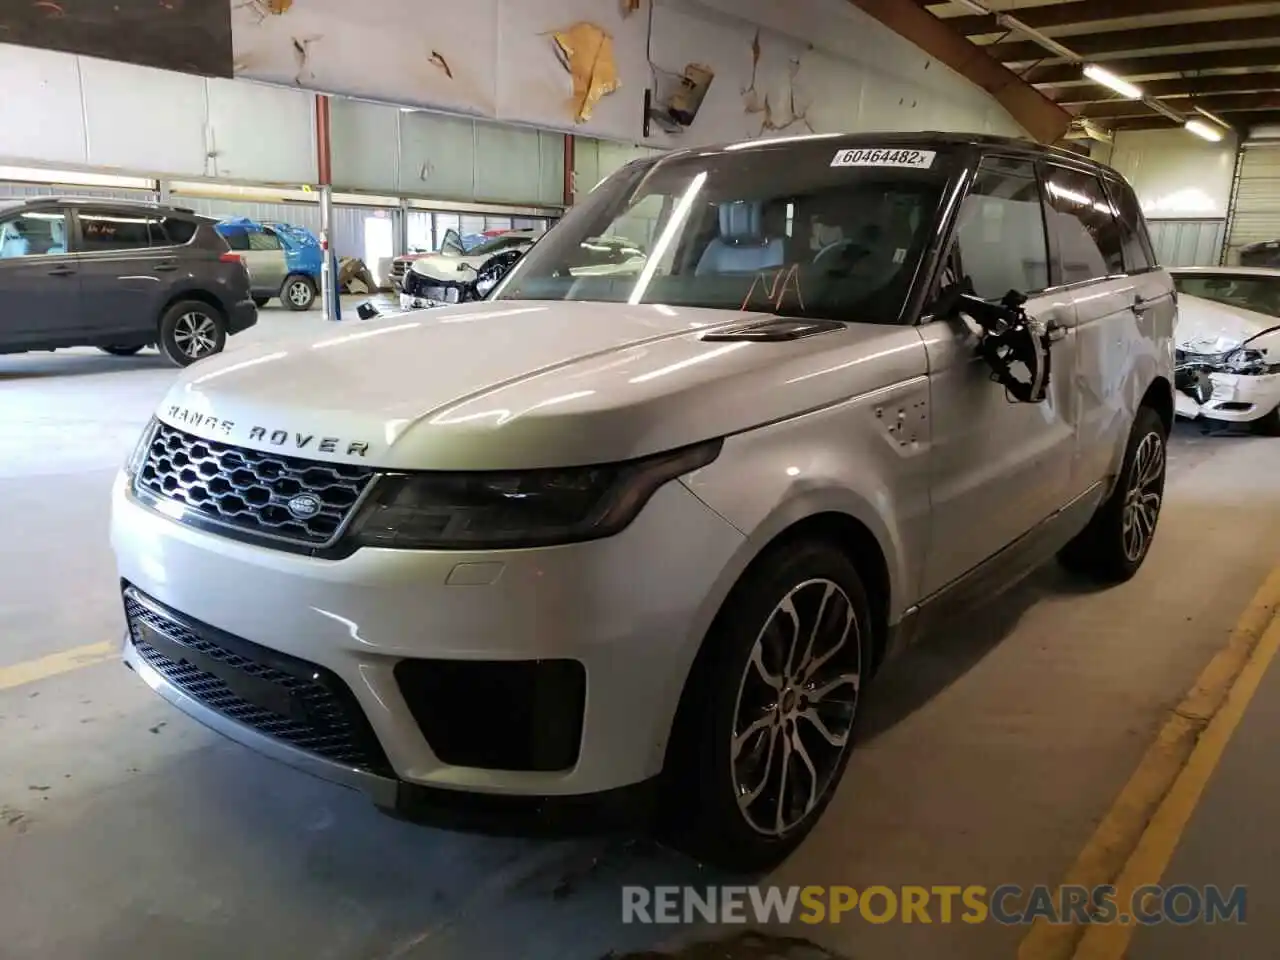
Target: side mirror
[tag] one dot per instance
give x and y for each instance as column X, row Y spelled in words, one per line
column 995, row 317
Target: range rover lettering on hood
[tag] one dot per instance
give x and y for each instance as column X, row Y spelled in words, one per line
column 271, row 436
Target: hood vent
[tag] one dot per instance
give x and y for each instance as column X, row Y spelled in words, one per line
column 774, row 330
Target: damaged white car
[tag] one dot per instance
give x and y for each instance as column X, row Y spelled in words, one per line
column 455, row 276
column 1227, row 364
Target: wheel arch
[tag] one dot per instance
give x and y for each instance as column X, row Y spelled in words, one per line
column 1159, row 397
column 197, row 294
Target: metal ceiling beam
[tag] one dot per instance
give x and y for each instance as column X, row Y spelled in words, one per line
column 1033, row 111
column 1139, row 66
column 1240, row 121
column 1262, row 80
column 1087, row 12
column 1230, row 103
column 1134, row 42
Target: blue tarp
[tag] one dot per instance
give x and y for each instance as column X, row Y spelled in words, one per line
column 301, row 246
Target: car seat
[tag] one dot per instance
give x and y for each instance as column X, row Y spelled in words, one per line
column 743, row 245
column 58, row 236
column 13, row 243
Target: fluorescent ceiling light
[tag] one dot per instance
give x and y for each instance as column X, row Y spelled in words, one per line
column 75, row 178
column 1112, row 82
column 1202, row 129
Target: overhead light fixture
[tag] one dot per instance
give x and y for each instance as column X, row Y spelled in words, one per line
column 1109, row 80
column 1202, row 129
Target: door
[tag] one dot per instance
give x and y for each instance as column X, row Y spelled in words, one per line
column 999, row 467
column 1108, row 271
column 126, row 269
column 266, row 261
column 39, row 281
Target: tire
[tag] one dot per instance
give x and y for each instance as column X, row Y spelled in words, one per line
column 1114, row 545
column 1269, row 425
column 261, row 302
column 122, row 351
column 298, row 292
column 191, row 330
column 730, row 699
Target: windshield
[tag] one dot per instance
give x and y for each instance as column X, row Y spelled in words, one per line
column 1259, row 294
column 496, row 245
column 802, row 230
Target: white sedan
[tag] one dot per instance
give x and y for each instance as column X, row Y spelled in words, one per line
column 1228, row 363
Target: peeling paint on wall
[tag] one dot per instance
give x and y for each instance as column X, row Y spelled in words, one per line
column 586, row 51
column 783, row 104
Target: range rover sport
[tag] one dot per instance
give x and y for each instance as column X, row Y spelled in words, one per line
column 630, row 544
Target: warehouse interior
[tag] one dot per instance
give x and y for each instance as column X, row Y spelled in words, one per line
column 1037, row 741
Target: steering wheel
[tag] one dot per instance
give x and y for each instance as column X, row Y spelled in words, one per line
column 839, row 244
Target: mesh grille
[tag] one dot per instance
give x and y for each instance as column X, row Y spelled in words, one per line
column 333, row 727
column 250, row 489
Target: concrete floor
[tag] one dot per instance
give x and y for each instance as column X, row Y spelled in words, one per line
column 986, row 758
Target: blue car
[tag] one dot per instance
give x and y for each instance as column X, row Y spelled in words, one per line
column 283, row 260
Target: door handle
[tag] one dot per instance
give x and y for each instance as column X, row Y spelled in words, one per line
column 165, row 266
column 1141, row 305
column 61, row 272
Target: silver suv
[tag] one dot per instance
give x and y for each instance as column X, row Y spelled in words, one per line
column 633, row 541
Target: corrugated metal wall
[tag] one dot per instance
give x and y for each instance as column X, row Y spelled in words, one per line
column 25, row 191
column 1187, row 243
column 1256, row 208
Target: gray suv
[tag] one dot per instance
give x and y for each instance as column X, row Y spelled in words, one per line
column 119, row 276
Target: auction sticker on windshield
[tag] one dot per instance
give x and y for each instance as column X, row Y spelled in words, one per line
column 863, row 157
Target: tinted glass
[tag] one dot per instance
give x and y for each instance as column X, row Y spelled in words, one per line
column 1259, row 294
column 264, row 241
column 179, row 230
column 1084, row 222
column 1000, row 234
column 33, row 234
column 805, row 230
column 119, row 231
column 236, row 239
column 1138, row 254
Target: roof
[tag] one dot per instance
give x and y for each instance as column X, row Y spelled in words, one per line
column 1219, row 56
column 63, row 201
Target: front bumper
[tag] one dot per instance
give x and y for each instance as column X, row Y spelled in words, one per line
column 626, row 609
column 1233, row 398
column 241, row 316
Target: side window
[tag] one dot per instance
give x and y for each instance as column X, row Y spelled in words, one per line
column 266, row 240
column 179, row 231
column 1000, row 237
column 118, row 231
column 34, row 234
column 1138, row 253
column 1085, row 224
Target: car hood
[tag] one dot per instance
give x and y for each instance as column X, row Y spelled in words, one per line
column 521, row 385
column 1209, row 327
column 443, row 266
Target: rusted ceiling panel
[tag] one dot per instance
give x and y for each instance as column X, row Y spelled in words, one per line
column 1036, row 113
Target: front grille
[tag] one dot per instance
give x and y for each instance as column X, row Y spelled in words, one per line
column 292, row 700
column 417, row 285
column 248, row 489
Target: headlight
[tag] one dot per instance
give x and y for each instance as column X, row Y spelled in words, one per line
column 139, row 454
column 487, row 511
column 1244, row 360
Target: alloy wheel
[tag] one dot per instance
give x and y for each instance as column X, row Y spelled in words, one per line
column 795, row 707
column 1142, row 501
column 195, row 334
column 299, row 293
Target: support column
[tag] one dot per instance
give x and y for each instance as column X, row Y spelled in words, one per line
column 329, row 270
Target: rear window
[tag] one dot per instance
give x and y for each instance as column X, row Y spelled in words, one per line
column 179, row 230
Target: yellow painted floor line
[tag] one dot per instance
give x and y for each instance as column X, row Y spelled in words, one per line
column 1115, row 843
column 1155, row 849
column 56, row 663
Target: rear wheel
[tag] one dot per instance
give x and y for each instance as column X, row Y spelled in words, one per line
column 298, row 293
column 766, row 724
column 1116, row 541
column 122, row 351
column 191, row 330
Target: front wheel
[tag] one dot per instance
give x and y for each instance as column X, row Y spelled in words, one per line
column 191, row 330
column 261, row 302
column 298, row 293
column 1116, row 541
column 766, row 724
